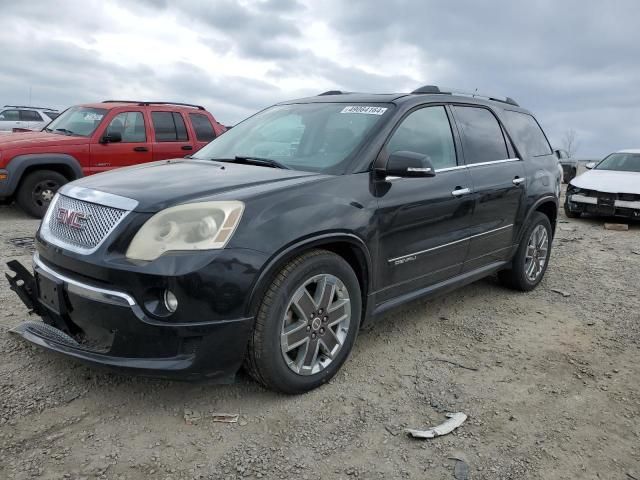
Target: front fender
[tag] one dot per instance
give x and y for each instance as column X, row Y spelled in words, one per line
column 20, row 163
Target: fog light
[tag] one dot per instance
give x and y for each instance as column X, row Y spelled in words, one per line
column 170, row 301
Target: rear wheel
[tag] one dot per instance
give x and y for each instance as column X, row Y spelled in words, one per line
column 307, row 323
column 532, row 257
column 37, row 189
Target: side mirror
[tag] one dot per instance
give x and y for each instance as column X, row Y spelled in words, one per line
column 409, row 164
column 113, row 137
column 590, row 165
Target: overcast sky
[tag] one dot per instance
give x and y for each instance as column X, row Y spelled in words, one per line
column 574, row 63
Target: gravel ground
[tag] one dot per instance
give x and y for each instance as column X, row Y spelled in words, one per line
column 550, row 387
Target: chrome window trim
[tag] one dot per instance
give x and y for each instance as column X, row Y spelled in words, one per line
column 460, row 167
column 86, row 291
column 91, row 196
column 421, row 252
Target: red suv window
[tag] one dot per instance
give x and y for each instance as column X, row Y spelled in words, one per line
column 169, row 127
column 202, row 126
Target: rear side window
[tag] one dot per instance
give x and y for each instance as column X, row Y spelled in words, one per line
column 30, row 116
column 202, row 126
column 527, row 133
column 169, row 127
column 426, row 131
column 482, row 138
column 52, row 115
column 10, row 115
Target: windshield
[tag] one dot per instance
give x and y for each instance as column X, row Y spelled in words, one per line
column 316, row 137
column 622, row 162
column 81, row 121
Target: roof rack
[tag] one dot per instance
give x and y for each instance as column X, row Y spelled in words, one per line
column 145, row 104
column 26, row 106
column 331, row 92
column 433, row 89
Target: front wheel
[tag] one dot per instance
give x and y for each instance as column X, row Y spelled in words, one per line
column 37, row 190
column 307, row 323
column 532, row 257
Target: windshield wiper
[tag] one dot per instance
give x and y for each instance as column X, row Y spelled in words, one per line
column 261, row 161
column 65, row 131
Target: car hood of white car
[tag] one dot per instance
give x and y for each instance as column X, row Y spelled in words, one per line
column 609, row 181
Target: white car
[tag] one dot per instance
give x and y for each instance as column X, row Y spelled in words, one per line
column 27, row 118
column 611, row 187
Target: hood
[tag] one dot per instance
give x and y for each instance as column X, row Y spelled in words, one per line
column 166, row 183
column 609, row 181
column 38, row 139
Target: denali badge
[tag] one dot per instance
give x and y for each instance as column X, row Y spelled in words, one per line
column 71, row 218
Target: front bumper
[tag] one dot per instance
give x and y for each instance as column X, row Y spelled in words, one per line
column 107, row 327
column 605, row 204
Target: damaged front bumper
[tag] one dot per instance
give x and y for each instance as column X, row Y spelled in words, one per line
column 108, row 328
column 605, row 204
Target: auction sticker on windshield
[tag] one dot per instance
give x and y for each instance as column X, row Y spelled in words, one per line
column 364, row 109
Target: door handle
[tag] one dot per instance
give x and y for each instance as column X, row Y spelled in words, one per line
column 187, row 147
column 458, row 192
column 140, row 149
column 518, row 180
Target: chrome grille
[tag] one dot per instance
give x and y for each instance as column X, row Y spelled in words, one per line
column 99, row 221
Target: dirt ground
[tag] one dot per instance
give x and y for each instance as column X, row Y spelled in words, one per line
column 551, row 387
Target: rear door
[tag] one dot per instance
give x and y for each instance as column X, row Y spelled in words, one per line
column 171, row 135
column 10, row 119
column 134, row 148
column 423, row 222
column 32, row 120
column 499, row 185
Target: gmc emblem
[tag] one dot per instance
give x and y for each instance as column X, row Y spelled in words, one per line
column 71, row 218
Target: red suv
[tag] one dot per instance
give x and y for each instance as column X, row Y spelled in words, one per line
column 96, row 137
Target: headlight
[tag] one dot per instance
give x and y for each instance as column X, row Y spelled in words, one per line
column 195, row 226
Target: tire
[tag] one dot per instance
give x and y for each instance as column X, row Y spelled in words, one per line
column 518, row 277
column 37, row 190
column 569, row 214
column 268, row 359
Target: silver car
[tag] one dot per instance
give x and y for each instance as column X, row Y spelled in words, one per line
column 27, row 118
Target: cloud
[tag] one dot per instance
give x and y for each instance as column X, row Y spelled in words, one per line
column 572, row 63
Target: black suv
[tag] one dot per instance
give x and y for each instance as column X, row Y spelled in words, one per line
column 275, row 243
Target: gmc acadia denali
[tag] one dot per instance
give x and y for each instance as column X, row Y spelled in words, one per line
column 272, row 245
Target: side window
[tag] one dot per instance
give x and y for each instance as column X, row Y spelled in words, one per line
column 10, row 116
column 482, row 138
column 169, row 127
column 528, row 134
column 130, row 125
column 426, row 131
column 202, row 126
column 30, row 116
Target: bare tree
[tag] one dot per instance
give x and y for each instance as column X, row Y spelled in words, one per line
column 570, row 142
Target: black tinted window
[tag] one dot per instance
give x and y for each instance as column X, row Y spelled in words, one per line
column 30, row 116
column 482, row 138
column 52, row 115
column 169, row 127
column 527, row 134
column 10, row 115
column 202, row 126
column 426, row 131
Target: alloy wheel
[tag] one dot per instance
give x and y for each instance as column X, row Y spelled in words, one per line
column 537, row 251
column 315, row 324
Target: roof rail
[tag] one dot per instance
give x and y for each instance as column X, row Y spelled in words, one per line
column 331, row 92
column 144, row 104
column 26, row 106
column 433, row 89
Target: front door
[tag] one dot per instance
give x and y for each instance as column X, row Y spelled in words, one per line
column 499, row 185
column 132, row 150
column 423, row 222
